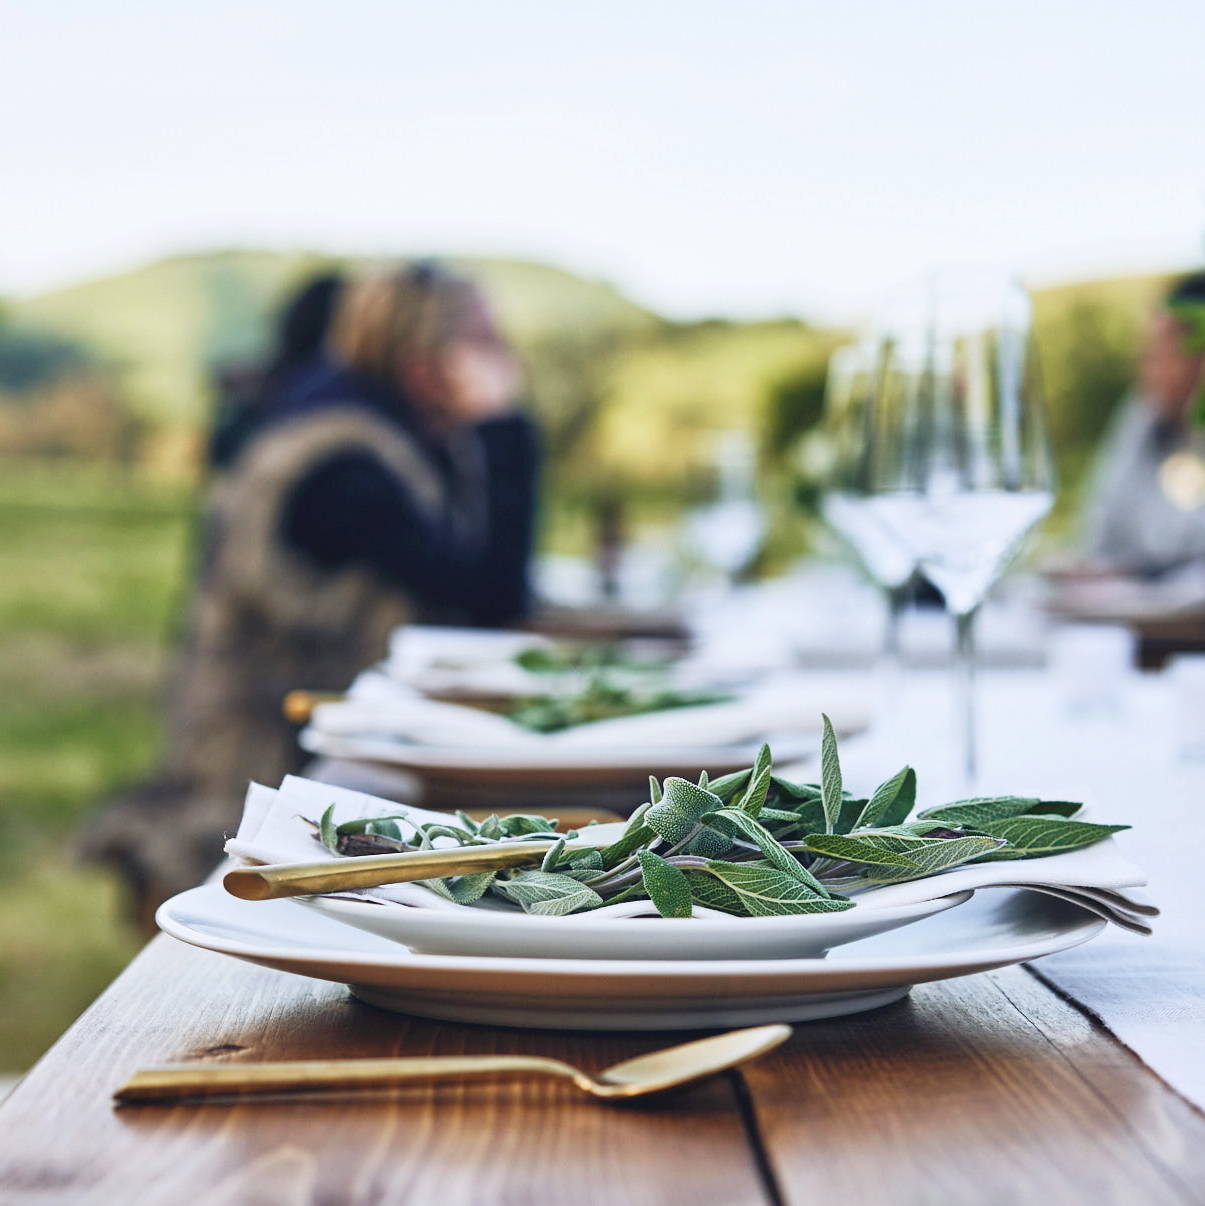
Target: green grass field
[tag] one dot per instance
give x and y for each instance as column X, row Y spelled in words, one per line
column 91, row 568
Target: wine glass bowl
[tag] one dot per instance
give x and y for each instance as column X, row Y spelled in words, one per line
column 957, row 464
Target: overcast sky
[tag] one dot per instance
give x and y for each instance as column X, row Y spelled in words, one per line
column 748, row 157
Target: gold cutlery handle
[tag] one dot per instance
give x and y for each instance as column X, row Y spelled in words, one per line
column 298, row 706
column 272, row 881
column 198, row 1080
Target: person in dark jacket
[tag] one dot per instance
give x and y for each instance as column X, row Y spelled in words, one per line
column 392, row 480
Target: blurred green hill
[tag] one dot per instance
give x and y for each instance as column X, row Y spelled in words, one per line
column 159, row 331
column 122, row 367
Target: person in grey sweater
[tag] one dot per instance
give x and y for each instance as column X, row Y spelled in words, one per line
column 1146, row 512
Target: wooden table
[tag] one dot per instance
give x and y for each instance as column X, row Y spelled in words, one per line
column 985, row 1090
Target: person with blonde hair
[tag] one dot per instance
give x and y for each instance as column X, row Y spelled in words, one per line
column 392, row 480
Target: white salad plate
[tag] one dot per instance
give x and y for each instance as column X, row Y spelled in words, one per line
column 501, row 930
column 996, row 928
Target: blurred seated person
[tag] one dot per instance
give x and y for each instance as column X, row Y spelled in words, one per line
column 391, row 480
column 1146, row 514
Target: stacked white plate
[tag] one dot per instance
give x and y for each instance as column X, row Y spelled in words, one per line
column 993, row 929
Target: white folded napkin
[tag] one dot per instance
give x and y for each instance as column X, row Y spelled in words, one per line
column 378, row 708
column 435, row 660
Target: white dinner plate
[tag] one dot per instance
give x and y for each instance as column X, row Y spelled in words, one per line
column 508, row 932
column 996, row 928
column 451, row 777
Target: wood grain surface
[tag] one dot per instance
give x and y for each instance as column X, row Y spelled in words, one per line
column 985, row 1090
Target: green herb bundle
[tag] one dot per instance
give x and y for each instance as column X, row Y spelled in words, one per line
column 615, row 684
column 751, row 844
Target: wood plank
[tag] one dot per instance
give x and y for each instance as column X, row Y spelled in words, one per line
column 960, row 1096
column 62, row 1142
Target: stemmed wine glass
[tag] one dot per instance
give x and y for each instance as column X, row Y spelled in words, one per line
column 958, row 466
column 845, row 504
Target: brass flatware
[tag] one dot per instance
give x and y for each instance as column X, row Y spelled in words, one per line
column 298, row 706
column 657, row 1072
column 271, row 881
column 274, row 880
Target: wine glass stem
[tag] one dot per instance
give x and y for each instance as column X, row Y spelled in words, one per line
column 965, row 693
column 897, row 602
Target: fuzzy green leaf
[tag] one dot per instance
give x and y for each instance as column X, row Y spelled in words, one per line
column 742, row 824
column 932, row 857
column 548, row 894
column 765, row 891
column 830, row 776
column 859, row 848
column 635, row 836
column 666, row 885
column 754, row 798
column 680, row 809
column 709, row 892
column 363, row 824
column 519, row 824
column 468, row 889
column 728, row 787
column 891, row 801
column 1037, row 837
column 983, row 809
column 326, row 827
column 553, row 856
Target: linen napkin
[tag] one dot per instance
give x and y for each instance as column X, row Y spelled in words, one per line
column 379, row 713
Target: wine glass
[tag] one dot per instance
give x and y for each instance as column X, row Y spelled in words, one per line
column 845, row 505
column 958, row 465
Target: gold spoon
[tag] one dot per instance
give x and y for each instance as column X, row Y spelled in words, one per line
column 639, row 1077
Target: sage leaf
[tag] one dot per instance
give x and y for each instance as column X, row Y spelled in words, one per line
column 518, row 824
column 728, row 787
column 548, row 894
column 983, row 809
column 745, row 826
column 765, row 891
column 365, row 824
column 326, row 827
column 891, row 802
column 867, row 848
column 586, row 860
column 830, row 776
column 636, row 835
column 1037, row 837
column 712, row 894
column 666, row 885
column 708, row 843
column 553, row 856
column 468, row 889
column 679, row 811
column 932, row 857
column 754, row 798
column 385, row 827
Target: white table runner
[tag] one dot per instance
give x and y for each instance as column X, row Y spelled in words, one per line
column 1150, row 992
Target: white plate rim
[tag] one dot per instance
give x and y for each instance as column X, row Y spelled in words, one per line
column 619, row 969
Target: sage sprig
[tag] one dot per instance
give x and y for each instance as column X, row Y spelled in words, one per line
column 751, row 844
